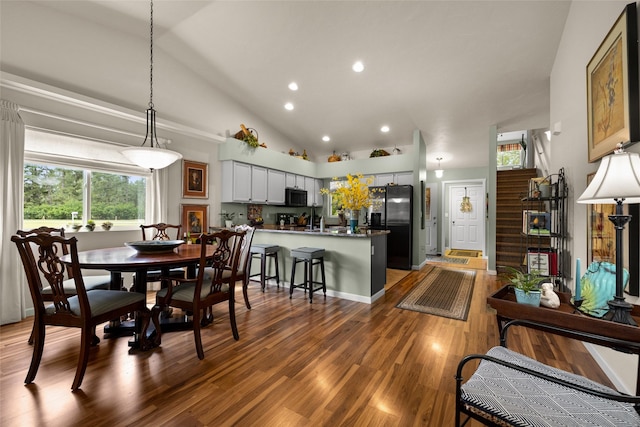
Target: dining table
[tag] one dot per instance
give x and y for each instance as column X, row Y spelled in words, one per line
column 126, row 259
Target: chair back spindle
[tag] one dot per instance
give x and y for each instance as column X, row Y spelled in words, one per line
column 159, row 231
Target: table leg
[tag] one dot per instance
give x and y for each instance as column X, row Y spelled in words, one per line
column 116, row 281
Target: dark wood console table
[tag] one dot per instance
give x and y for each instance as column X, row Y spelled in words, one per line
column 566, row 316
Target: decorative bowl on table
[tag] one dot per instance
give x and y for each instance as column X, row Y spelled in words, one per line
column 154, row 246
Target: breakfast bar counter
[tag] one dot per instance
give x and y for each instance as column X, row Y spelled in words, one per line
column 355, row 264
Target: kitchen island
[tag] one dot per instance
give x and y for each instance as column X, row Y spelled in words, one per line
column 355, row 264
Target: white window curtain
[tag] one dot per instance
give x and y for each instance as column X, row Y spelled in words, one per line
column 13, row 285
column 156, row 209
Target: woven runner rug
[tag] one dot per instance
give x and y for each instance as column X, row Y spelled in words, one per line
column 443, row 292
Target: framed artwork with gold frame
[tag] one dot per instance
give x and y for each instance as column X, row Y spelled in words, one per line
column 613, row 100
column 195, row 178
column 194, row 218
column 601, row 234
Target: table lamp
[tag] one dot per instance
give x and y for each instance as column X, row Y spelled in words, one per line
column 617, row 181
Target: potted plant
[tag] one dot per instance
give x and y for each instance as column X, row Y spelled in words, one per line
column 91, row 225
column 526, row 286
column 76, row 227
column 227, row 217
column 107, row 225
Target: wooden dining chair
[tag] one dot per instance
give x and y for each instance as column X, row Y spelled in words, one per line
column 245, row 251
column 197, row 295
column 161, row 231
column 40, row 254
column 90, row 282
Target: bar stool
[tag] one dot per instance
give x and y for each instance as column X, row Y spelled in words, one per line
column 264, row 251
column 310, row 257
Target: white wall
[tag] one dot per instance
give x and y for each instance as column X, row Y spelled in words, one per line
column 587, row 25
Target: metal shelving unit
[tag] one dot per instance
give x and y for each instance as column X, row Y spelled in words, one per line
column 544, row 229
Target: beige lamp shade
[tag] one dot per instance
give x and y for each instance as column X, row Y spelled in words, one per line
column 618, row 177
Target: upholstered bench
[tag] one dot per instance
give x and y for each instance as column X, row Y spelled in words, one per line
column 510, row 389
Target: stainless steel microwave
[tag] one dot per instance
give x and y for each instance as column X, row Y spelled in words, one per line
column 295, row 197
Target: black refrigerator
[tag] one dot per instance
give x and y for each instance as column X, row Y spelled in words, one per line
column 392, row 210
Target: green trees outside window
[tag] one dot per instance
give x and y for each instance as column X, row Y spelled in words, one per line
column 58, row 196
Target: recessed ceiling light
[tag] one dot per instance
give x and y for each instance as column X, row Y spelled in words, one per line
column 326, row 138
column 288, row 106
column 358, row 66
column 384, row 129
column 293, row 86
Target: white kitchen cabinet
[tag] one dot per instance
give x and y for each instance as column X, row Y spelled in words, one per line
column 236, row 182
column 404, row 178
column 384, row 179
column 398, row 178
column 275, row 187
column 312, row 186
column 243, row 183
column 258, row 184
column 294, row 181
column 290, row 180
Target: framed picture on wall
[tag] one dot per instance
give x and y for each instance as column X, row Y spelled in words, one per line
column 195, row 178
column 194, row 218
column 613, row 99
column 601, row 233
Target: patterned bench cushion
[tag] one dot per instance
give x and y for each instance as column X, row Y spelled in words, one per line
column 521, row 399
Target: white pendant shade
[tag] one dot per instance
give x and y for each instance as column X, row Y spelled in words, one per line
column 151, row 157
column 618, row 177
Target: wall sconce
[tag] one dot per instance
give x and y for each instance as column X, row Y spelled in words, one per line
column 439, row 172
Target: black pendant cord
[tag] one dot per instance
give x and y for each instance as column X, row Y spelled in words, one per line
column 151, row 112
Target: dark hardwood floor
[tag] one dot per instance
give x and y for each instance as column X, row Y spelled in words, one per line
column 331, row 363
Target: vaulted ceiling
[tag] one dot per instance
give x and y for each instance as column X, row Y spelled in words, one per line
column 449, row 68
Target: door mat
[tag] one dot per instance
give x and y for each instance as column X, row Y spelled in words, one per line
column 443, row 292
column 465, row 253
column 447, row 259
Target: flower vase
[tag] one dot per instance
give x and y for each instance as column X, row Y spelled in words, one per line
column 353, row 221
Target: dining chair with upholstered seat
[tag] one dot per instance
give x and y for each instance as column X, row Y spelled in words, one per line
column 40, row 254
column 90, row 282
column 245, row 249
column 161, row 231
column 209, row 288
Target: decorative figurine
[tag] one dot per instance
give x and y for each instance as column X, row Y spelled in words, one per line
column 549, row 298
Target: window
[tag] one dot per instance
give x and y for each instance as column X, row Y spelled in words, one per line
column 336, row 207
column 70, row 180
column 509, row 155
column 61, row 197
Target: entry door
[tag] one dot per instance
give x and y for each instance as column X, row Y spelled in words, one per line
column 467, row 228
column 431, row 219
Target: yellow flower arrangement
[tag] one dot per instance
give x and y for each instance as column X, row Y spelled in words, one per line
column 353, row 194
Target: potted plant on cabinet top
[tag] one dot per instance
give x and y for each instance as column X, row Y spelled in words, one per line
column 525, row 285
column 107, row 225
column 91, row 225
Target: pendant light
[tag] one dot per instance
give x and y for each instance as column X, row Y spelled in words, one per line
column 152, row 156
column 439, row 171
